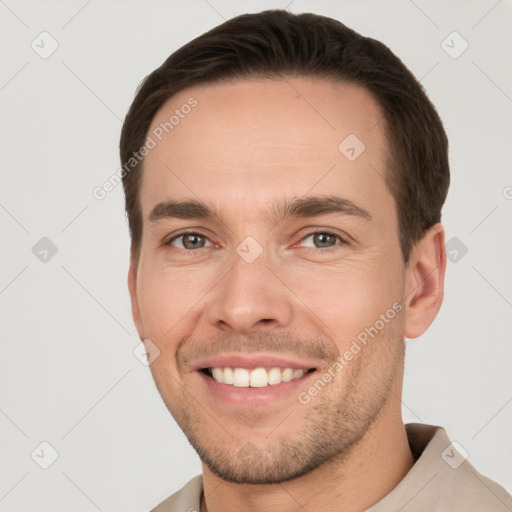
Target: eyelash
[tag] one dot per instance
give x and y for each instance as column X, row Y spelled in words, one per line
column 183, row 234
column 337, row 246
column 341, row 242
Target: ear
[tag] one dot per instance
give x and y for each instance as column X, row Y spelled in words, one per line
column 425, row 282
column 132, row 287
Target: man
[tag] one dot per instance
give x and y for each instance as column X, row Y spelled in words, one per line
column 284, row 179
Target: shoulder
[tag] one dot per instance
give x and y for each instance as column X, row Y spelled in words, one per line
column 468, row 490
column 187, row 499
column 442, row 479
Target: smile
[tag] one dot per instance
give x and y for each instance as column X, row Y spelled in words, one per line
column 254, row 378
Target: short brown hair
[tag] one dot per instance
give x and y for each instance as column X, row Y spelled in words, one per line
column 277, row 43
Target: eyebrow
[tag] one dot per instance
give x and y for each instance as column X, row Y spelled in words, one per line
column 311, row 206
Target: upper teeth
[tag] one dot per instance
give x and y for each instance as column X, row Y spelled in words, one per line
column 257, row 378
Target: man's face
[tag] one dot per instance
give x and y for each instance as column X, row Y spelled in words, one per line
column 262, row 285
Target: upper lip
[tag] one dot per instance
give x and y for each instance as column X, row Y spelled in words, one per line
column 253, row 361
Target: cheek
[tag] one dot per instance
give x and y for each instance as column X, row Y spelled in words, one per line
column 167, row 297
column 348, row 297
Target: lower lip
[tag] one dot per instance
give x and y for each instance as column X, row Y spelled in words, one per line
column 251, row 397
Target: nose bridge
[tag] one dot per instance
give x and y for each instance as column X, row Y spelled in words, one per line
column 250, row 296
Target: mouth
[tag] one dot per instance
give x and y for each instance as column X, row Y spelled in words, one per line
column 258, row 377
column 253, row 380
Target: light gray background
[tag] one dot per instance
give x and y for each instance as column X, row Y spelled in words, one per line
column 68, row 374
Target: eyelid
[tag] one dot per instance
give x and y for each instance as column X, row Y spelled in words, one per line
column 187, row 231
column 309, row 231
column 343, row 239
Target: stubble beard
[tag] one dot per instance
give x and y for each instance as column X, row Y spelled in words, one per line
column 337, row 419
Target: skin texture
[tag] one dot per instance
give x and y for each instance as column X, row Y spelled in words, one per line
column 246, row 146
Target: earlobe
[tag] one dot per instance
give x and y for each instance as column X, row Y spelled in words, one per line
column 132, row 287
column 425, row 282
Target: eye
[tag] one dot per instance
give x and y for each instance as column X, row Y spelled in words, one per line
column 321, row 240
column 189, row 241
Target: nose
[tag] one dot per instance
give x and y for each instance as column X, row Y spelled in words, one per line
column 249, row 298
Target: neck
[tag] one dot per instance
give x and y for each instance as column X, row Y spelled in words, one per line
column 352, row 482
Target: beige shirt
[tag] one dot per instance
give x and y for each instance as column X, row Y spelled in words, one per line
column 441, row 480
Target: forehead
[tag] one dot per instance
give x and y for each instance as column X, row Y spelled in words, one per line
column 244, row 143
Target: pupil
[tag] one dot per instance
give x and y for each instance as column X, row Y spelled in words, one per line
column 192, row 241
column 323, row 240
